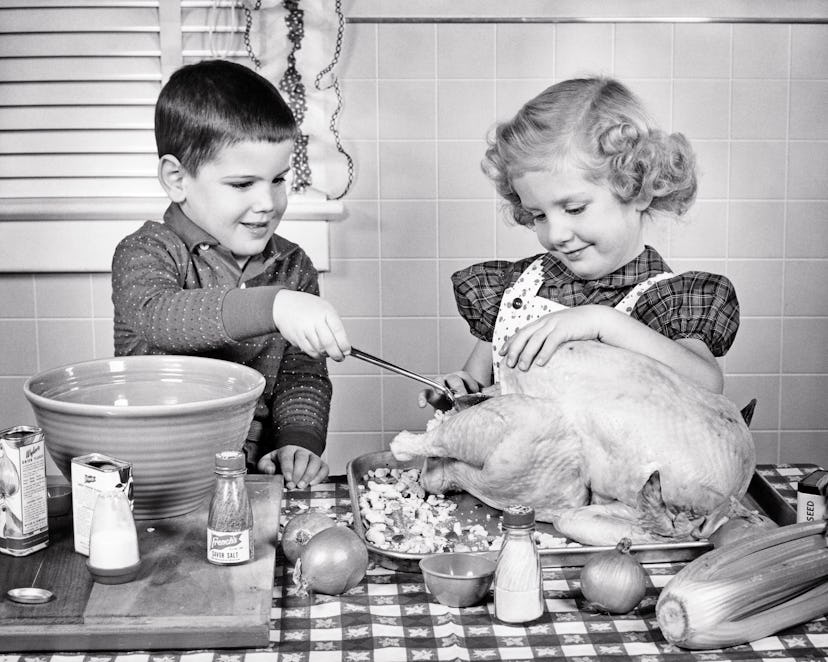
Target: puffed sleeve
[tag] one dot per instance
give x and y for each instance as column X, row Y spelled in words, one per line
column 478, row 290
column 694, row 304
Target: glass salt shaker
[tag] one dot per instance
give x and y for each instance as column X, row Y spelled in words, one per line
column 113, row 540
column 518, row 580
column 230, row 522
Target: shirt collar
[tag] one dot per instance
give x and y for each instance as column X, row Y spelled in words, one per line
column 647, row 263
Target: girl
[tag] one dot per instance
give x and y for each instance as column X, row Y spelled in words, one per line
column 583, row 166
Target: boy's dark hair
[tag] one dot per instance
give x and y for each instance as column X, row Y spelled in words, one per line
column 206, row 106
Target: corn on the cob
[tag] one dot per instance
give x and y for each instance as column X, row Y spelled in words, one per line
column 757, row 585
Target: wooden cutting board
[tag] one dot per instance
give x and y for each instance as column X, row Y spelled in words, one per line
column 178, row 601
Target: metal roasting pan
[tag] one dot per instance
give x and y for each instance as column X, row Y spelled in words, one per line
column 471, row 510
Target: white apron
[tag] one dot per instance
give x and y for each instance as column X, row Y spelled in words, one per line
column 521, row 305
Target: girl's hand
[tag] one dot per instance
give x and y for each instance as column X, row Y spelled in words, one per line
column 300, row 467
column 538, row 340
column 460, row 382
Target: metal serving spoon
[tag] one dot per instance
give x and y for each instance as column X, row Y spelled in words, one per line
column 448, row 400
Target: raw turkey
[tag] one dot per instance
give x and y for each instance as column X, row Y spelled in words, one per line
column 603, row 442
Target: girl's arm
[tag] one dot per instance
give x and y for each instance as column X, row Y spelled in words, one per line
column 536, row 342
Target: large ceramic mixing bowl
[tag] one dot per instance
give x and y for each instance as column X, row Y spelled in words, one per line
column 167, row 415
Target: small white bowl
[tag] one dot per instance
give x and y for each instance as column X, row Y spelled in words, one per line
column 458, row 579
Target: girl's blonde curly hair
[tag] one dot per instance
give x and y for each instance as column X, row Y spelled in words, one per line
column 600, row 127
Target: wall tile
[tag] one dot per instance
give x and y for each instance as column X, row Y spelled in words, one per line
column 583, row 50
column 407, row 169
column 644, row 50
column 515, row 241
column 803, row 402
column 406, row 51
column 456, row 344
column 359, row 52
column 353, row 286
column 760, row 51
column 809, row 51
column 702, row 233
column 806, row 229
column 807, row 447
column 756, row 347
column 408, row 228
column 657, row 97
column 767, row 447
column 342, row 447
column 17, row 294
column 14, row 408
column 808, row 118
column 756, row 229
column 64, row 341
column 758, row 285
column 104, row 340
column 808, row 169
column 525, row 51
column 406, row 110
column 701, row 108
column 712, row 161
column 409, row 287
column 411, row 343
column 747, row 121
column 702, row 51
column 401, row 411
column 465, row 109
column 512, row 94
column 458, row 172
column 359, row 117
column 356, row 405
column 755, row 170
column 357, row 235
column 466, row 228
column 63, row 295
column 364, row 333
column 805, row 348
column 741, row 389
column 805, row 290
column 366, row 169
column 465, row 51
column 19, row 347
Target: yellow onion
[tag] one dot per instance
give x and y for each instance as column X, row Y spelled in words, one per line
column 300, row 529
column 332, row 562
column 613, row 580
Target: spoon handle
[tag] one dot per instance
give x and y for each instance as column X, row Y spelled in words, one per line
column 382, row 363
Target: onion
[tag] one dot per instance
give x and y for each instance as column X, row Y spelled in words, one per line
column 738, row 527
column 300, row 529
column 334, row 561
column 613, row 580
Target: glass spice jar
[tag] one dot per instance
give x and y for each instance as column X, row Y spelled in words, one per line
column 230, row 521
column 518, row 580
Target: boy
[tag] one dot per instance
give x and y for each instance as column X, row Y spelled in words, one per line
column 214, row 280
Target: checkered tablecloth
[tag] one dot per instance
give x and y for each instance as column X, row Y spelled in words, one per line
column 390, row 616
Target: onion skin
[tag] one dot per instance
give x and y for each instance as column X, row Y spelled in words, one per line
column 334, row 561
column 300, row 529
column 613, row 581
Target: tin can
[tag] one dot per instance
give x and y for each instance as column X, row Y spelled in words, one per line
column 92, row 474
column 24, row 520
column 810, row 496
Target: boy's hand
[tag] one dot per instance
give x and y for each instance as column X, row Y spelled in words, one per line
column 300, row 467
column 460, row 382
column 311, row 324
column 537, row 341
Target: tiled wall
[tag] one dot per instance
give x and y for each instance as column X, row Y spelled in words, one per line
column 418, row 101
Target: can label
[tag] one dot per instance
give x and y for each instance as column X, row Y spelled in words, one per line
column 24, row 521
column 810, row 496
column 92, row 474
column 227, row 547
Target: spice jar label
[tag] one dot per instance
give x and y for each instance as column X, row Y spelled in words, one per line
column 24, row 527
column 228, row 547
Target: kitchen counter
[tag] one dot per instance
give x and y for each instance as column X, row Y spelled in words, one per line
column 390, row 616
